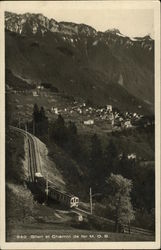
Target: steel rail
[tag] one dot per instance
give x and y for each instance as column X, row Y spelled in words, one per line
column 31, row 149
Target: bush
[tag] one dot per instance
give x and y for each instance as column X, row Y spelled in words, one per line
column 20, row 203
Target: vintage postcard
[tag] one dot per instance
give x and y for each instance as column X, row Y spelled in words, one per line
column 80, row 124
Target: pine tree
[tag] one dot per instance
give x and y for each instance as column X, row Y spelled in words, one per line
column 42, row 114
column 72, row 129
column 40, row 121
column 36, row 113
column 36, row 119
column 96, row 161
column 43, row 124
column 59, row 131
column 126, row 166
column 73, row 144
column 110, row 159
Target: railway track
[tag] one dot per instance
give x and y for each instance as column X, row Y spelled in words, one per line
column 34, row 163
column 34, row 156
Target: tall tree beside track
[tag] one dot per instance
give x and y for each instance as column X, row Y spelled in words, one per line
column 96, row 162
column 59, row 131
column 119, row 189
column 40, row 121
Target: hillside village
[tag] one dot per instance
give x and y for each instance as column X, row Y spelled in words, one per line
column 108, row 118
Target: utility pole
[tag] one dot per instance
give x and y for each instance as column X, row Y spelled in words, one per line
column 48, row 134
column 19, row 121
column 33, row 127
column 27, row 151
column 47, row 188
column 26, row 127
column 90, row 196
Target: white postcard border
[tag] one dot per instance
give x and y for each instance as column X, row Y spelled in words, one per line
column 84, row 245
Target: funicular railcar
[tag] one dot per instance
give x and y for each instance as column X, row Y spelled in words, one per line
column 67, row 199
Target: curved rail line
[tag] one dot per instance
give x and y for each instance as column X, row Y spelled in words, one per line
column 34, row 158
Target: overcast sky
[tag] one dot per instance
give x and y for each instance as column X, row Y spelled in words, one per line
column 130, row 19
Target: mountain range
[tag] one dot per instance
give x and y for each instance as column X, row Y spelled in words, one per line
column 100, row 67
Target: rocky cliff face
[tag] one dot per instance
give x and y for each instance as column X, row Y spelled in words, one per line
column 37, row 23
column 100, row 66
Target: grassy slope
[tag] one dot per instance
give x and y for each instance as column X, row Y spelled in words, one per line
column 48, row 166
column 19, row 200
column 15, row 157
column 71, row 171
column 15, row 82
column 140, row 143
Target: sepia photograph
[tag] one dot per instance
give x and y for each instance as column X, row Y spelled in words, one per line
column 81, row 124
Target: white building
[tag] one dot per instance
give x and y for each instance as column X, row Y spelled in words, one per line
column 127, row 124
column 111, row 118
column 55, row 110
column 39, row 87
column 109, row 108
column 131, row 156
column 89, row 122
column 35, row 93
